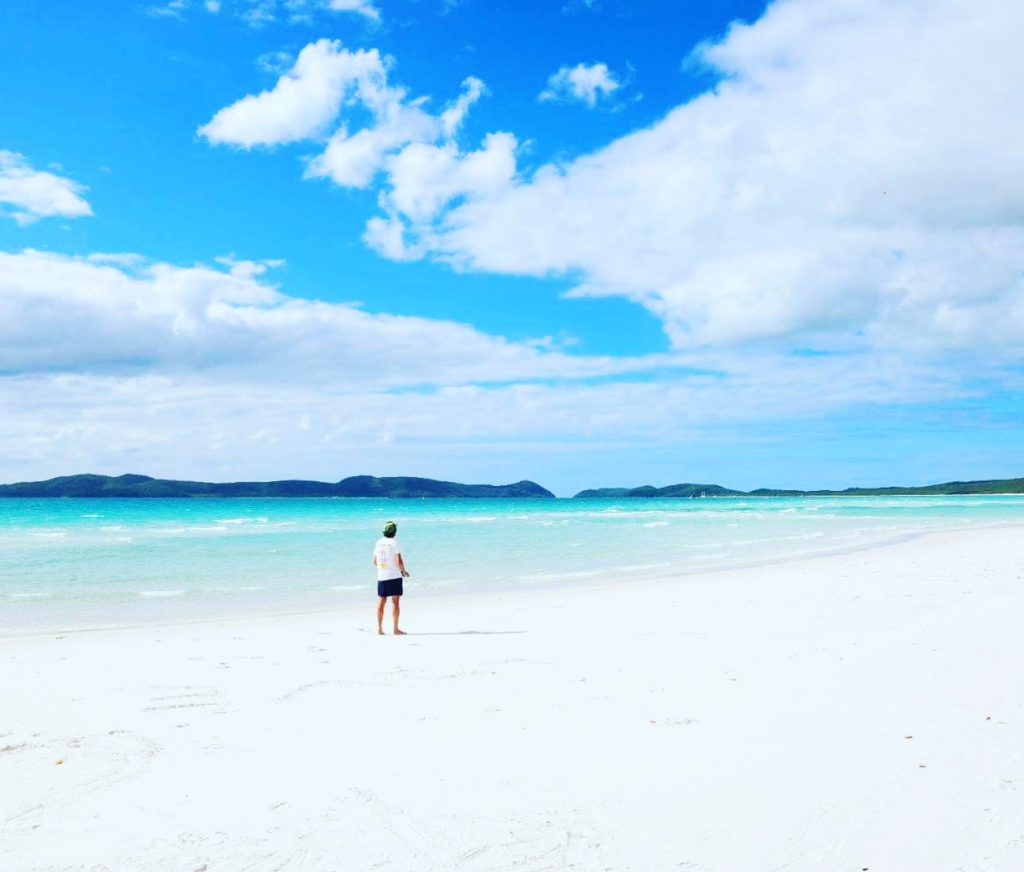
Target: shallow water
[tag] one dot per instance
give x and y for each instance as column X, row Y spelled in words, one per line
column 76, row 563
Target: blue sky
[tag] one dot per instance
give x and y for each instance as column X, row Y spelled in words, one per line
column 650, row 243
column 120, row 100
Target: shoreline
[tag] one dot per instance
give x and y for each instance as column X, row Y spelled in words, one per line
column 591, row 584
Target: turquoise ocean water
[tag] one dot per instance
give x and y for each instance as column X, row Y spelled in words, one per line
column 79, row 563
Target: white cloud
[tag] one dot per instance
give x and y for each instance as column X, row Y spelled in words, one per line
column 221, row 424
column 171, row 9
column 851, row 187
column 424, row 177
column 123, row 315
column 855, row 179
column 417, row 149
column 303, row 103
column 112, row 361
column 27, row 194
column 263, row 13
column 587, row 83
column 354, row 159
column 454, row 115
column 276, row 62
column 359, row 7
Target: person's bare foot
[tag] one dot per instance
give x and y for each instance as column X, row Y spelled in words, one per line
column 380, row 631
column 399, row 632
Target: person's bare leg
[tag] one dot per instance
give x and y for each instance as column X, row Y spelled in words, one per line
column 380, row 615
column 395, row 610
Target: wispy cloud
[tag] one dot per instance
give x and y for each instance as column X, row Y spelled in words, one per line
column 27, row 194
column 171, row 9
column 359, row 7
column 264, row 13
column 120, row 314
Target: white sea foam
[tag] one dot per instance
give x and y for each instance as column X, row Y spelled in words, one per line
column 637, row 567
column 556, row 576
column 251, row 588
column 160, row 594
column 656, row 524
column 33, row 594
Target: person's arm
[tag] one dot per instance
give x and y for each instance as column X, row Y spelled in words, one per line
column 401, row 565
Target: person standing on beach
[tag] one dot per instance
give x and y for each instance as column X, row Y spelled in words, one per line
column 387, row 557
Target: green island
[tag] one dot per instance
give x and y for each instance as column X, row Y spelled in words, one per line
column 995, row 486
column 354, row 486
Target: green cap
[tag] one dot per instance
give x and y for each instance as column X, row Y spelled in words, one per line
column 390, row 528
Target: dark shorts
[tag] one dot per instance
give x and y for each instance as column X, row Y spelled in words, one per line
column 391, row 587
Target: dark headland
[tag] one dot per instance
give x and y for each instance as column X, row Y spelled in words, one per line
column 996, row 486
column 355, row 486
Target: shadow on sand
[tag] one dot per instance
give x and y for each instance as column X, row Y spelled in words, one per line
column 469, row 633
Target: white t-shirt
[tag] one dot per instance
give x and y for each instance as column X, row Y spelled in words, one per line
column 385, row 555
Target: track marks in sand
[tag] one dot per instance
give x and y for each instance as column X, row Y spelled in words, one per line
column 468, row 856
column 184, row 697
column 303, row 688
column 90, row 763
column 408, row 678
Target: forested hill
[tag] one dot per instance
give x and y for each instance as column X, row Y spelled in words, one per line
column 410, row 487
column 997, row 486
column 355, row 486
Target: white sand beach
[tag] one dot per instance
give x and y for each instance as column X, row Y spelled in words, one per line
column 862, row 711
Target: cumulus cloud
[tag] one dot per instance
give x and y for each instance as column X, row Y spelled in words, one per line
column 424, row 178
column 836, row 222
column 856, row 177
column 387, row 131
column 586, row 83
column 305, row 100
column 353, row 159
column 27, row 194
